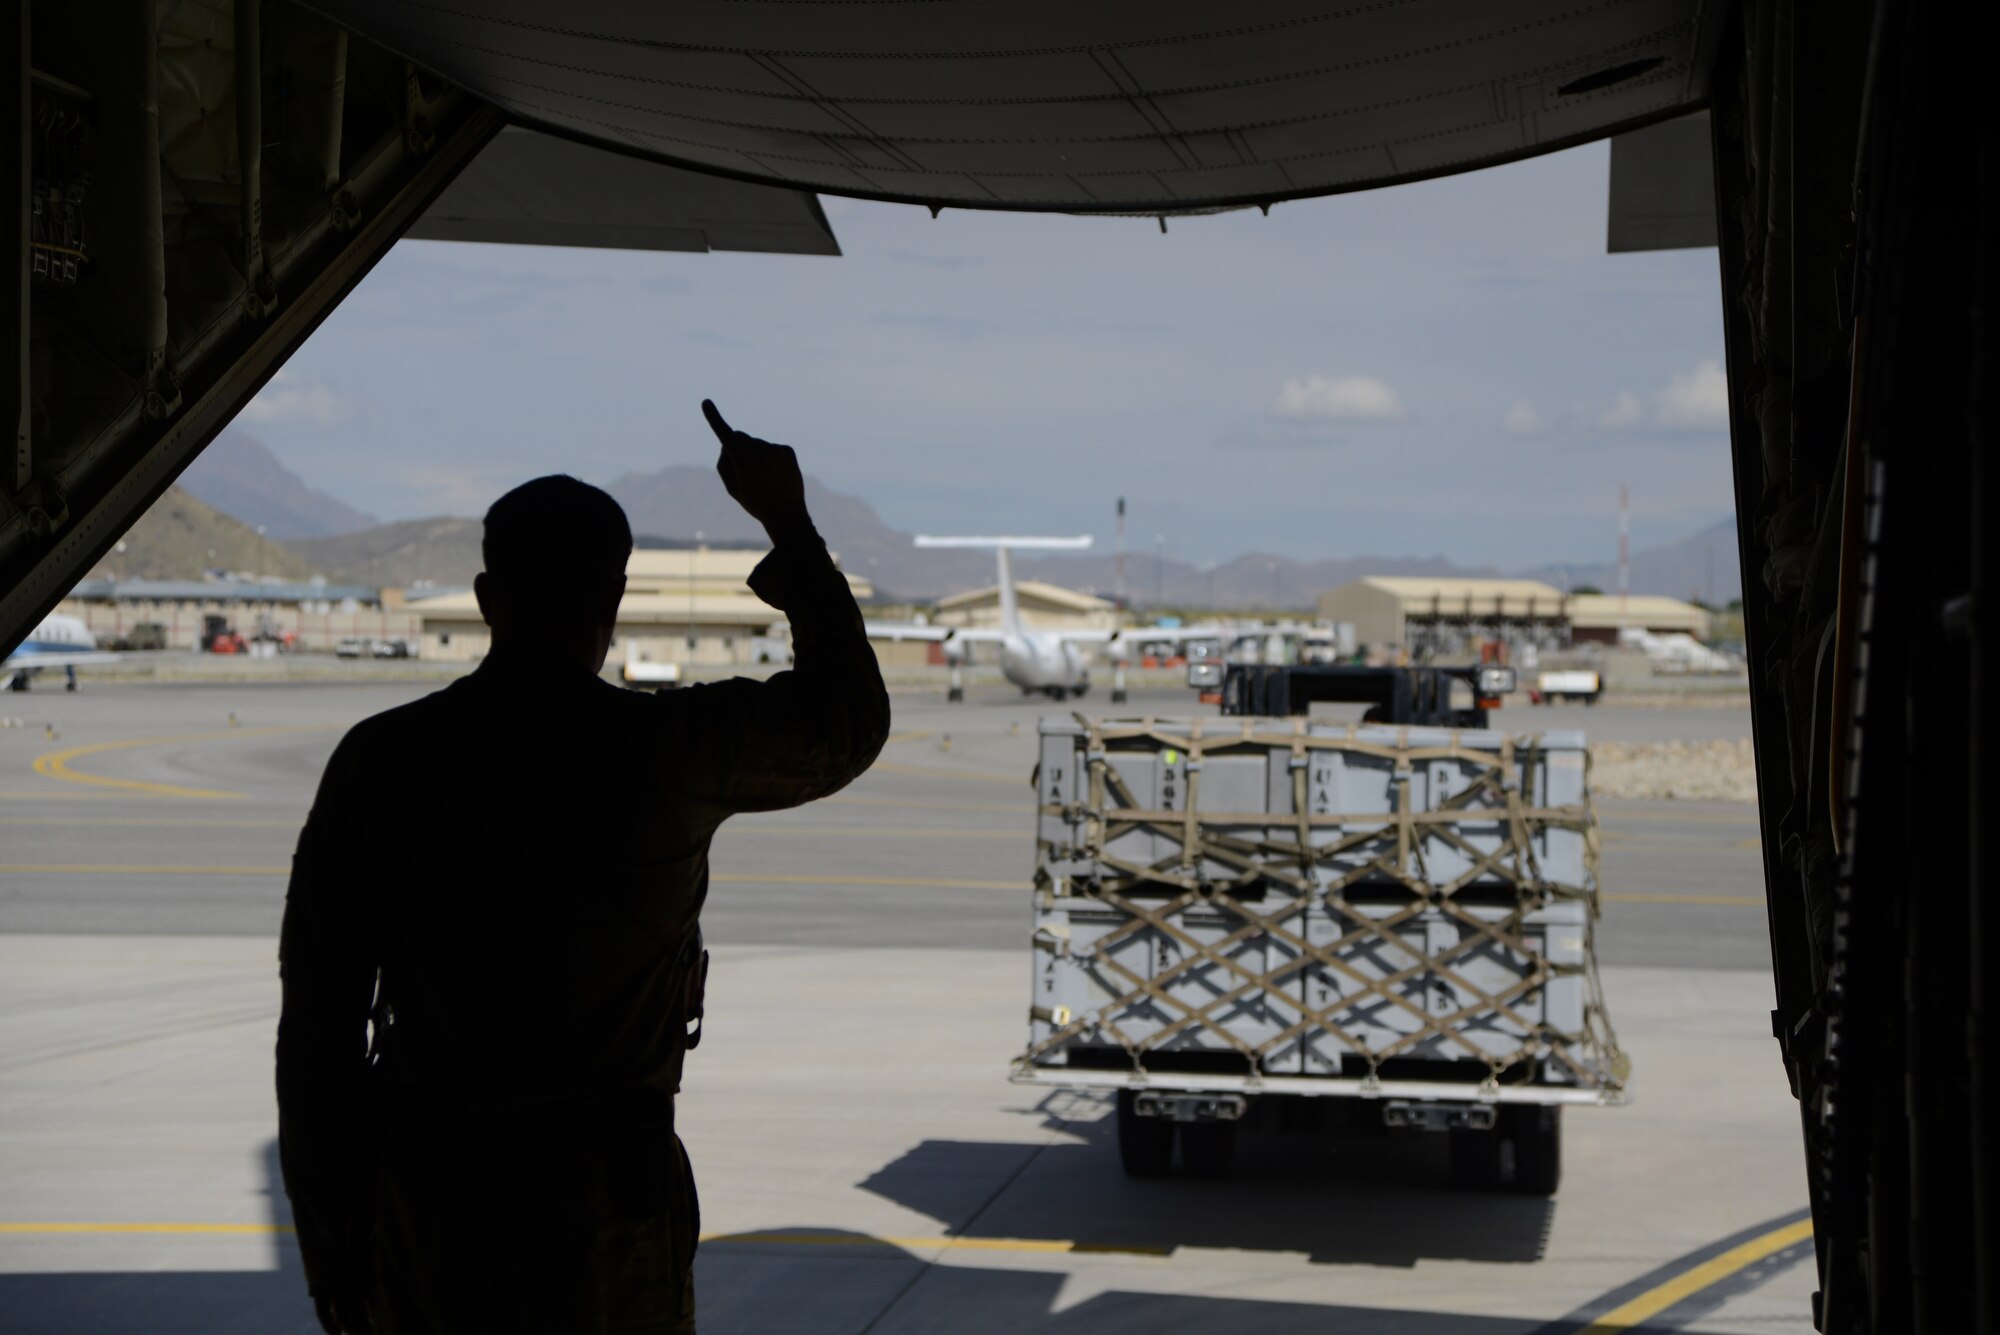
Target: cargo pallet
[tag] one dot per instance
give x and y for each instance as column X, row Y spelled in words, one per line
column 1322, row 925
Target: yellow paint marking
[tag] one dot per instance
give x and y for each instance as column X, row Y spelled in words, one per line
column 745, row 878
column 1041, row 1245
column 1699, row 839
column 127, row 869
column 1696, row 1278
column 934, row 882
column 55, row 764
column 868, row 831
column 726, row 878
column 1708, row 901
column 918, row 803
column 51, row 795
column 955, row 775
column 252, row 1230
column 178, row 822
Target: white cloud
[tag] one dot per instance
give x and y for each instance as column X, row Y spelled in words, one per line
column 1625, row 413
column 288, row 399
column 1697, row 402
column 1523, row 420
column 1356, row 398
column 456, row 490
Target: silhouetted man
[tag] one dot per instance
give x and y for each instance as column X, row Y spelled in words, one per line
column 500, row 884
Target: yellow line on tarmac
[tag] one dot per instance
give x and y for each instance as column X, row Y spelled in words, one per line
column 1673, row 841
column 923, row 804
column 178, row 822
column 777, row 1239
column 180, row 1229
column 741, row 878
column 1044, row 1245
column 867, row 831
column 55, row 764
column 727, row 878
column 934, row 772
column 1693, row 1280
column 128, row 869
column 932, row 882
column 1707, row 901
column 53, row 795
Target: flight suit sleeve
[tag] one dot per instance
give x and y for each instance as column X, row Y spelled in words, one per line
column 328, row 963
column 805, row 732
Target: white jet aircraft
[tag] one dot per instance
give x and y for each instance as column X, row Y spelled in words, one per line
column 59, row 642
column 1055, row 663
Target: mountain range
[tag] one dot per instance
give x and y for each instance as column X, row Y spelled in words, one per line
column 180, row 538
column 1700, row 567
column 238, row 475
column 680, row 503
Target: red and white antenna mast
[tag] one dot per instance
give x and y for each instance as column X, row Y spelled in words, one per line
column 1624, row 550
column 1118, row 569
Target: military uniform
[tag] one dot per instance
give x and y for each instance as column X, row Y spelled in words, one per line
column 501, row 882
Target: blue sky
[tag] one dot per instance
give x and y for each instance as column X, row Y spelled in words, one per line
column 1454, row 367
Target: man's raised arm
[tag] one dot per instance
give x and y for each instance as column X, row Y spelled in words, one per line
column 809, row 731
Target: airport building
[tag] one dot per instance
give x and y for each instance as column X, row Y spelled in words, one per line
column 312, row 616
column 1596, row 618
column 1042, row 607
column 1428, row 617
column 688, row 606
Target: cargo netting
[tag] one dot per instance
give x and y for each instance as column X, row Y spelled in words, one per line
column 1264, row 872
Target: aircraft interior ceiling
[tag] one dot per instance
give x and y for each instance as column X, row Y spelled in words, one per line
column 1057, row 106
column 198, row 184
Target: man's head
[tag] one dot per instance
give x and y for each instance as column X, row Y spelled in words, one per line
column 555, row 552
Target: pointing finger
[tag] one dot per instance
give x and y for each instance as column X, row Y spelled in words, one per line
column 723, row 431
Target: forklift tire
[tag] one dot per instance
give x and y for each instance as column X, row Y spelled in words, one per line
column 1118, row 697
column 1145, row 1144
column 1080, row 691
column 1535, row 1134
column 955, row 695
column 1207, row 1148
column 1475, row 1160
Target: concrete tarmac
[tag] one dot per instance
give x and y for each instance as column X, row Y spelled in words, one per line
column 865, row 1166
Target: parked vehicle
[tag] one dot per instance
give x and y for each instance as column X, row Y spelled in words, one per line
column 219, row 637
column 145, row 637
column 1576, row 685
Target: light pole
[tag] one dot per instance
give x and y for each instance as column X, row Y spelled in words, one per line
column 1159, row 568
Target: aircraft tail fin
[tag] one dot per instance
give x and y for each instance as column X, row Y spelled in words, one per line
column 1010, row 610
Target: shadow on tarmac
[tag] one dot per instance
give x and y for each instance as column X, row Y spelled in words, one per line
column 867, row 1284
column 843, row 1283
column 1370, row 1201
column 171, row 1302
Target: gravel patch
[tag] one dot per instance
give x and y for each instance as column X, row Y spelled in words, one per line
column 1713, row 770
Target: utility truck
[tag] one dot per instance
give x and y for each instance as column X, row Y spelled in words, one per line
column 1283, row 922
